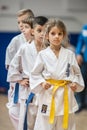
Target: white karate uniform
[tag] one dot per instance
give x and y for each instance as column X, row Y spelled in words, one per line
column 11, row 50
column 48, row 66
column 23, row 60
column 13, row 47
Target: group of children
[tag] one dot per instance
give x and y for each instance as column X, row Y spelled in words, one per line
column 11, row 50
column 44, row 75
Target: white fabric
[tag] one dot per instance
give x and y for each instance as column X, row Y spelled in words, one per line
column 10, row 95
column 20, row 67
column 21, row 114
column 48, row 66
column 11, row 50
column 42, row 123
column 14, row 115
column 31, row 116
column 13, row 47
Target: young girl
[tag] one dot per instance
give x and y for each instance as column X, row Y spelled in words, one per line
column 56, row 76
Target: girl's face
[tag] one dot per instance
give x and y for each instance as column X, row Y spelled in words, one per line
column 55, row 36
column 27, row 31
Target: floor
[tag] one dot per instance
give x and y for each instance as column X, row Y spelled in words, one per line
column 5, row 123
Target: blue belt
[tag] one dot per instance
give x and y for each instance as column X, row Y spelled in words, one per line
column 30, row 97
column 16, row 93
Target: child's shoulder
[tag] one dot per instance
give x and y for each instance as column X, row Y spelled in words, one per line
column 68, row 50
column 24, row 46
column 17, row 36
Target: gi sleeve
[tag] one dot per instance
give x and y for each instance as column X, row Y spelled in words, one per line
column 36, row 77
column 77, row 74
column 15, row 68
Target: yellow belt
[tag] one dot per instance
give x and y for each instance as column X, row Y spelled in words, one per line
column 57, row 84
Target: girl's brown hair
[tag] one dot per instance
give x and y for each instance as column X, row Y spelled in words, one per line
column 59, row 24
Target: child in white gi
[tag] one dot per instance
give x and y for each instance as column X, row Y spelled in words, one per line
column 20, row 39
column 11, row 50
column 56, row 76
column 24, row 60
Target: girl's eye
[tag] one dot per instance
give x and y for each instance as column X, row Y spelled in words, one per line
column 52, row 33
column 60, row 34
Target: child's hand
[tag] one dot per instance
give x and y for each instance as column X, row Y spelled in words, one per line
column 79, row 59
column 73, row 86
column 46, row 85
column 24, row 82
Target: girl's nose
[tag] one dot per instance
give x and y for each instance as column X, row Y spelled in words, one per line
column 57, row 35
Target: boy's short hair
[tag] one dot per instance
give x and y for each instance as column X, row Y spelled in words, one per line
column 40, row 20
column 29, row 21
column 25, row 11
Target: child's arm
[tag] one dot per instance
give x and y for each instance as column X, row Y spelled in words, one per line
column 14, row 73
